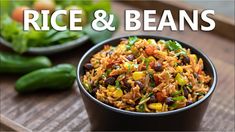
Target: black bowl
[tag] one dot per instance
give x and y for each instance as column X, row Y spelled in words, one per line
column 105, row 117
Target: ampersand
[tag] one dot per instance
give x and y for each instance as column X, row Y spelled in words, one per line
column 100, row 17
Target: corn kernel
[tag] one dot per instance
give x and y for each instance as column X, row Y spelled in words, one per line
column 151, row 58
column 180, row 79
column 151, row 41
column 122, row 47
column 111, row 88
column 117, row 93
column 155, row 106
column 138, row 75
column 194, row 57
column 127, row 65
column 179, row 69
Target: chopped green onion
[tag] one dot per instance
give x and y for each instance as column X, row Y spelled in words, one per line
column 117, row 84
column 87, row 87
column 150, row 94
column 140, row 108
column 173, row 106
column 176, row 93
column 178, row 98
column 151, row 41
column 108, row 71
column 189, row 86
column 131, row 42
column 146, row 62
column 152, row 81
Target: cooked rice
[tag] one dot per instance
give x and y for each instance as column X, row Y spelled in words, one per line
column 155, row 78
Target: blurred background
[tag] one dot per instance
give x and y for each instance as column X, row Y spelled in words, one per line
column 223, row 7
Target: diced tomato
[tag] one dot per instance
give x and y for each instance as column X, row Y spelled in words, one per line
column 160, row 96
column 156, row 79
column 199, row 71
column 18, row 13
column 44, row 5
column 110, row 65
column 151, row 64
column 149, row 50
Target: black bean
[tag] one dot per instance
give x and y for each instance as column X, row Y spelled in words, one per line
column 169, row 101
column 158, row 67
column 195, row 75
column 109, row 52
column 126, row 84
column 186, row 60
column 130, row 57
column 88, row 66
column 94, row 90
column 115, row 66
column 185, row 91
column 140, row 84
column 110, row 81
column 189, row 102
column 152, row 99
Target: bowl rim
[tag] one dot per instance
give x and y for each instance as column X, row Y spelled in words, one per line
column 81, row 87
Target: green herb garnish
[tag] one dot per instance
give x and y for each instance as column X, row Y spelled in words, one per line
column 146, row 62
column 175, row 46
column 176, row 93
column 189, row 86
column 108, row 71
column 173, row 106
column 152, row 81
column 131, row 42
column 117, row 84
column 140, row 108
column 178, row 98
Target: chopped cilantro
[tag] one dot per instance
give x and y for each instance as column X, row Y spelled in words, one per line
column 175, row 46
column 117, row 84
column 131, row 41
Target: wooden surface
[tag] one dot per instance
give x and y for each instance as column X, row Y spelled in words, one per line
column 65, row 110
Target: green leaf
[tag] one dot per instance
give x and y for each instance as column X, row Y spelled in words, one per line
column 9, row 28
column 98, row 36
column 131, row 42
column 5, row 7
column 19, row 43
column 80, row 3
column 100, row 5
column 175, row 46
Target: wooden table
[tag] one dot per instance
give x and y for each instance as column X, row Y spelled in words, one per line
column 65, row 110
